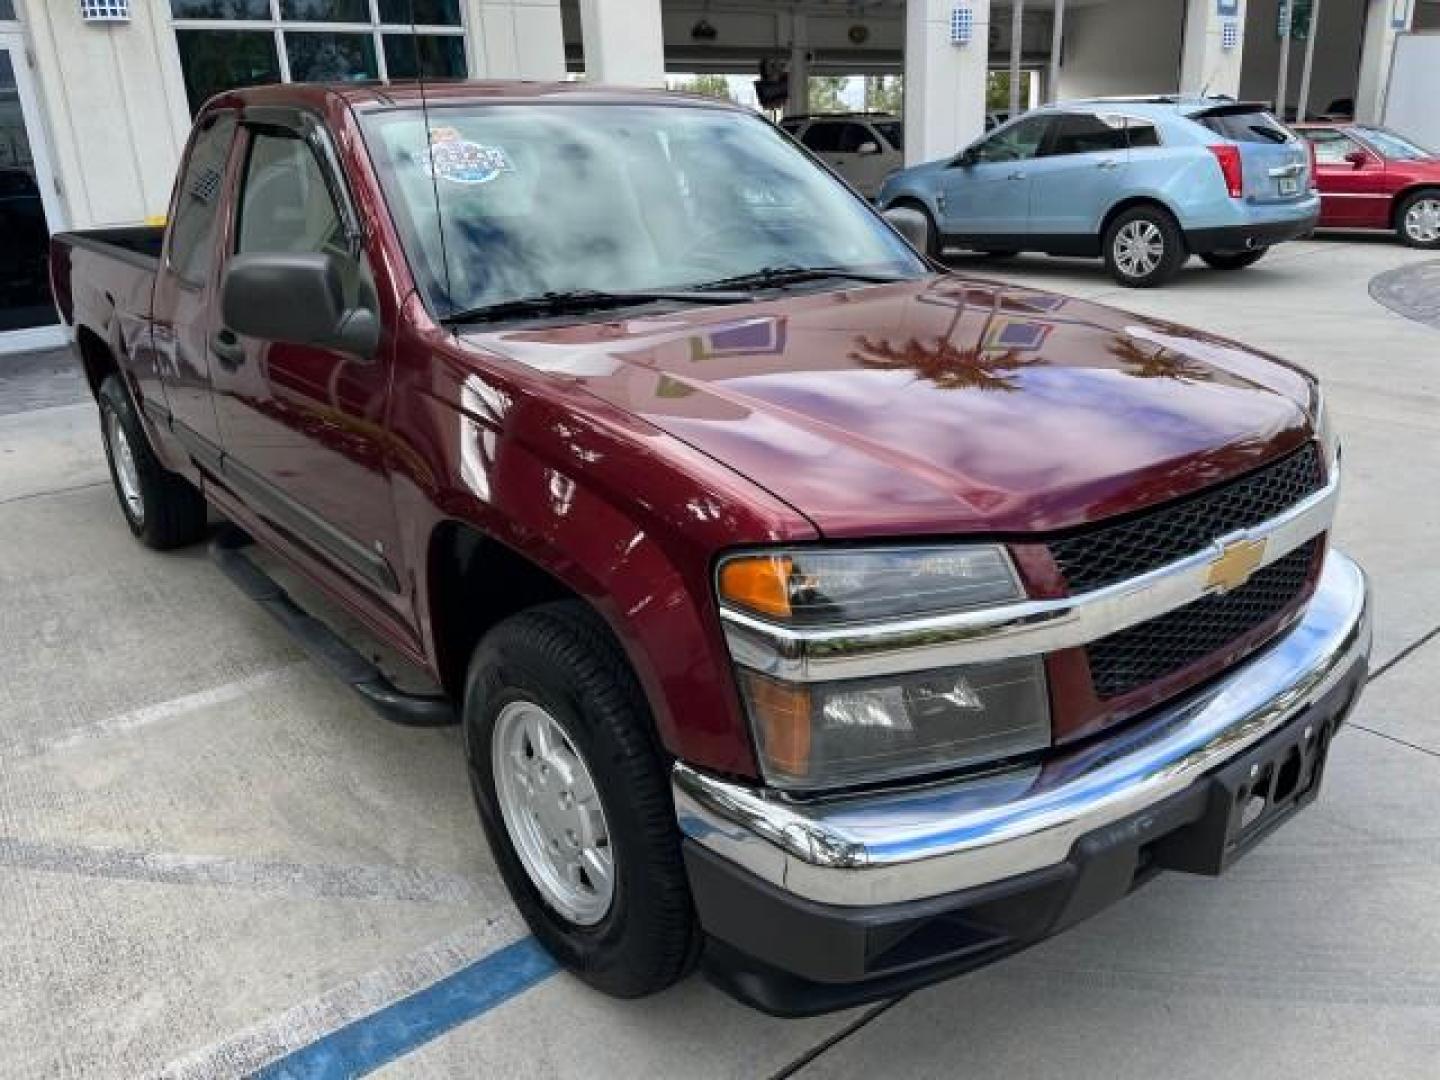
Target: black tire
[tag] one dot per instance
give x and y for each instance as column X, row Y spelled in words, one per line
column 1403, row 226
column 171, row 512
column 1172, row 253
column 562, row 657
column 1233, row 260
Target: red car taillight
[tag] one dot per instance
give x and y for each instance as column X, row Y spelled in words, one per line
column 1314, row 175
column 1230, row 167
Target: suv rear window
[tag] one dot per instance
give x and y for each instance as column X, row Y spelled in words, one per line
column 1251, row 127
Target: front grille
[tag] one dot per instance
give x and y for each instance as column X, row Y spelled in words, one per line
column 1111, row 553
column 1149, row 651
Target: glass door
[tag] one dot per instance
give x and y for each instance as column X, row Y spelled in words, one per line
column 27, row 209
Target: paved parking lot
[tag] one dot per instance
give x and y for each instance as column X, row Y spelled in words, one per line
column 213, row 857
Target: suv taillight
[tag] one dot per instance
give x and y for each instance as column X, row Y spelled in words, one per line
column 1229, row 158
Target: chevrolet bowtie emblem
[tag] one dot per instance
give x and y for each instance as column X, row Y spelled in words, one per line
column 1234, row 565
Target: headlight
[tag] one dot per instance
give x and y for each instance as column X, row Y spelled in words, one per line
column 810, row 588
column 816, row 735
column 1327, row 435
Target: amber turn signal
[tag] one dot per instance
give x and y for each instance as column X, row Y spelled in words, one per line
column 759, row 583
column 781, row 713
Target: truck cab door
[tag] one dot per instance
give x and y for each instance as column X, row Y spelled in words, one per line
column 185, row 284
column 304, row 427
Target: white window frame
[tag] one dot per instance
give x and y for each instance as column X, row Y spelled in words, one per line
column 375, row 28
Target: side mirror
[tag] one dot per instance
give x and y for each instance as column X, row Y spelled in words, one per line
column 910, row 224
column 1357, row 158
column 297, row 298
column 869, row 146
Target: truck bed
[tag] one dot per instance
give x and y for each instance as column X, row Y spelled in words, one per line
column 98, row 273
column 138, row 244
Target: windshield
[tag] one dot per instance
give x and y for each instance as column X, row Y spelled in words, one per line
column 552, row 198
column 1394, row 146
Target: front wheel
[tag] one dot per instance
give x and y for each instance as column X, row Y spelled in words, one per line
column 575, row 799
column 1418, row 220
column 163, row 509
column 1144, row 248
column 1233, row 260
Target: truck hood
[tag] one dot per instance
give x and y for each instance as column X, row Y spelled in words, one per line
column 941, row 405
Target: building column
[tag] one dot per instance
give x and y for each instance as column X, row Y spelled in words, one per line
column 797, row 100
column 1211, row 61
column 1383, row 20
column 624, row 42
column 516, row 39
column 944, row 83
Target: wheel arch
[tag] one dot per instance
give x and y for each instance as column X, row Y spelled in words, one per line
column 1405, row 194
column 97, row 358
column 1131, row 202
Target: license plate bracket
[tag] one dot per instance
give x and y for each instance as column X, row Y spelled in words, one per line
column 1247, row 799
column 1289, row 185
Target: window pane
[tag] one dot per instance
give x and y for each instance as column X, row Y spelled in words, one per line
column 823, row 138
column 352, row 11
column 7, row 9
column 1085, row 133
column 440, row 57
column 1142, row 134
column 331, row 57
column 220, row 9
column 852, row 137
column 192, row 248
column 1331, row 147
column 427, row 12
column 1250, row 127
column 216, row 60
column 286, row 205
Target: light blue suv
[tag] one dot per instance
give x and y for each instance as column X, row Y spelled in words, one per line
column 1142, row 182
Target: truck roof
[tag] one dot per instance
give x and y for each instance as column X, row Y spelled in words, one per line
column 376, row 95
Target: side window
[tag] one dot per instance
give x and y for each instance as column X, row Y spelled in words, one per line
column 1087, row 133
column 285, row 204
column 853, row 136
column 192, row 233
column 1018, row 142
column 1142, row 134
column 823, row 138
column 1331, row 147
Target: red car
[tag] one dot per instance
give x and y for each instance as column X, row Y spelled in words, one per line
column 1372, row 178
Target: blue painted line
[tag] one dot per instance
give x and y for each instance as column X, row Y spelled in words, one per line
column 363, row 1046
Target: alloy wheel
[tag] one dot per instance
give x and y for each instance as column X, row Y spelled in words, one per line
column 1139, row 248
column 552, row 812
column 127, row 476
column 1422, row 221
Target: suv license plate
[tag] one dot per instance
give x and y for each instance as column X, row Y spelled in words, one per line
column 1289, row 185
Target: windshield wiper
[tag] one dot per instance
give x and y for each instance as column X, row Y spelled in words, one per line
column 579, row 301
column 770, row 277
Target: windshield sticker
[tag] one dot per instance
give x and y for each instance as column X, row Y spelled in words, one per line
column 460, row 161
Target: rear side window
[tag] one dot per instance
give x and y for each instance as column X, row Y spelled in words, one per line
column 854, row 136
column 192, row 232
column 1251, row 127
column 1331, row 146
column 1087, row 133
column 1142, row 134
column 823, row 138
column 894, row 133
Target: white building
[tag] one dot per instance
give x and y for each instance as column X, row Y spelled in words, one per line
column 96, row 95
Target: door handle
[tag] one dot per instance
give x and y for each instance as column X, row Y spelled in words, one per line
column 226, row 346
column 1016, row 176
column 1107, row 163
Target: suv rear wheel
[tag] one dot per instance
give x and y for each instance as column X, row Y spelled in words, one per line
column 574, row 795
column 1144, row 248
column 162, row 508
column 1233, row 260
column 1418, row 219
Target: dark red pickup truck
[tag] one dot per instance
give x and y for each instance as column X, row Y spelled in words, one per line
column 811, row 613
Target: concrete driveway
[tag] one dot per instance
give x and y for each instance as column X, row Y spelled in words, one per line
column 214, row 859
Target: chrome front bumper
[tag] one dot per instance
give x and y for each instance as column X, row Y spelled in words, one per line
column 928, row 841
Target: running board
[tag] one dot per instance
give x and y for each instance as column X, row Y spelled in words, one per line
column 322, row 643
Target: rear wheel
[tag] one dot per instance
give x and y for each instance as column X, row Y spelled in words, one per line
column 1418, row 219
column 163, row 509
column 1233, row 260
column 1144, row 247
column 575, row 799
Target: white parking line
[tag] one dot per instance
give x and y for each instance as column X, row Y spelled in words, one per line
column 151, row 714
